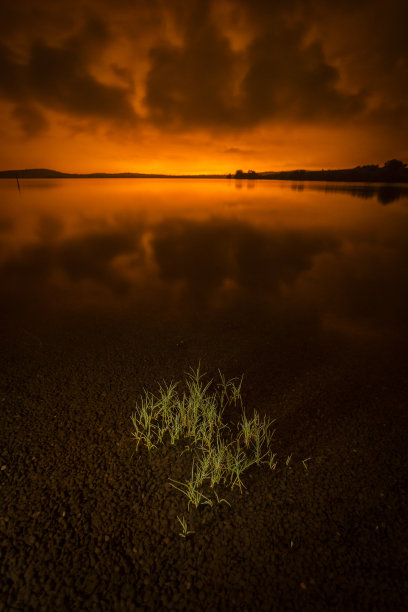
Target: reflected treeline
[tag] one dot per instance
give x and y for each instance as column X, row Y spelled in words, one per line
column 385, row 194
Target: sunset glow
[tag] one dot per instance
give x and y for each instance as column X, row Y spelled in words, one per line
column 203, row 86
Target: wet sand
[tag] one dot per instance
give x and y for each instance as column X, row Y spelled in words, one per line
column 87, row 523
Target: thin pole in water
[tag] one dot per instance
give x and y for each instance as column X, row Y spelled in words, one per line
column 18, row 185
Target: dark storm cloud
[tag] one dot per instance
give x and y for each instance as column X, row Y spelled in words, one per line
column 12, row 75
column 371, row 45
column 279, row 75
column 193, row 74
column 58, row 78
column 288, row 70
column 31, row 119
column 287, row 80
column 193, row 84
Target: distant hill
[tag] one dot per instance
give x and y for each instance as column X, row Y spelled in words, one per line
column 43, row 173
column 46, row 173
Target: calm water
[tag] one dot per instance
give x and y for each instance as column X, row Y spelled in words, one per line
column 295, row 261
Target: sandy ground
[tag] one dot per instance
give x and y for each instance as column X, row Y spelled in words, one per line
column 87, row 523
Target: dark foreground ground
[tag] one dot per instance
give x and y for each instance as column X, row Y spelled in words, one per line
column 87, row 524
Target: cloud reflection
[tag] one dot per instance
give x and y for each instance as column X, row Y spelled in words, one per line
column 187, row 268
column 209, row 258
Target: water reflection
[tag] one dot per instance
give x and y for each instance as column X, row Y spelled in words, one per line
column 385, row 194
column 221, row 260
column 185, row 250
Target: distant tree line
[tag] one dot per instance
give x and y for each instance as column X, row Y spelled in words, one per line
column 393, row 171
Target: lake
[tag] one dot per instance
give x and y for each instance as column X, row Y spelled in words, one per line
column 267, row 273
column 110, row 287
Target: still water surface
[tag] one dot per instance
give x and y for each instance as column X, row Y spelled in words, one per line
column 319, row 258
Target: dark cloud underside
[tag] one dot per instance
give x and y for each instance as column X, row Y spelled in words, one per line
column 184, row 66
column 59, row 79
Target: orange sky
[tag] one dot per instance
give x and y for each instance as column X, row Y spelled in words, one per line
column 202, row 86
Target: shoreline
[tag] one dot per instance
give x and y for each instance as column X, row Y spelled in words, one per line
column 363, row 174
column 89, row 523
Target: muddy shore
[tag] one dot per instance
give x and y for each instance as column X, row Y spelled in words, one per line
column 88, row 524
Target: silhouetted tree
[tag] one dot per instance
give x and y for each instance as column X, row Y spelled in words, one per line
column 394, row 165
column 394, row 171
column 239, row 174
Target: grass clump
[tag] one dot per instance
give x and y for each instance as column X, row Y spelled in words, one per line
column 185, row 532
column 191, row 488
column 194, row 414
column 222, row 453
